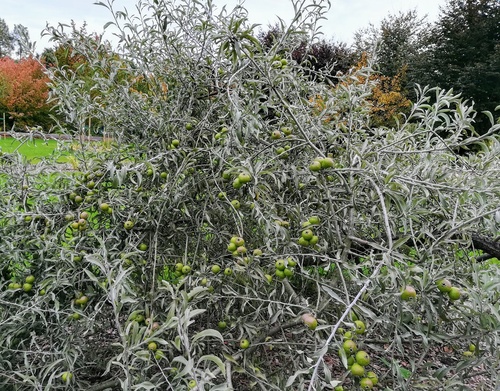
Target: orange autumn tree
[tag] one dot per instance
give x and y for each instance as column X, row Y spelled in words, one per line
column 386, row 100
column 24, row 91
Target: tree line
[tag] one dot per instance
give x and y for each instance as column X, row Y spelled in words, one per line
column 460, row 51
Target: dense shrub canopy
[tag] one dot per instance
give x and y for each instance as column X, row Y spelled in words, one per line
column 220, row 158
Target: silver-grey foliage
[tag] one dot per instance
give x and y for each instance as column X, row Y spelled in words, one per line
column 190, row 101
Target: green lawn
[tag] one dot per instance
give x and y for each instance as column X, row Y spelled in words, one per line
column 33, row 150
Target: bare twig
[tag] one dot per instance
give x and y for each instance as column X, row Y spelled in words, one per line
column 341, row 319
column 229, row 379
column 112, row 383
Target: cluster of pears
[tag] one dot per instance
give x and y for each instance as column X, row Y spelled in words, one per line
column 239, row 180
column 173, row 144
column 357, row 360
column 221, row 134
column 284, row 268
column 181, row 269
column 282, row 152
column 278, row 62
column 236, row 246
column 471, row 351
column 321, row 163
column 307, row 237
column 80, row 300
column 26, row 286
column 80, row 224
column 445, row 286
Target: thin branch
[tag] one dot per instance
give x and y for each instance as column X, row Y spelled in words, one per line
column 293, row 295
column 112, row 383
column 489, row 246
column 384, row 212
column 273, row 331
column 229, row 379
column 454, row 230
column 341, row 319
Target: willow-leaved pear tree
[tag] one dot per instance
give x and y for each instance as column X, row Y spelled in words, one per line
column 231, row 235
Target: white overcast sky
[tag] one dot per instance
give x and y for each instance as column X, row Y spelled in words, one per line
column 344, row 17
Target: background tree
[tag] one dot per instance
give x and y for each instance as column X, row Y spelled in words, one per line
column 459, row 51
column 21, row 40
column 25, row 92
column 387, row 101
column 325, row 57
column 396, row 42
column 6, row 44
column 462, row 52
column 318, row 57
